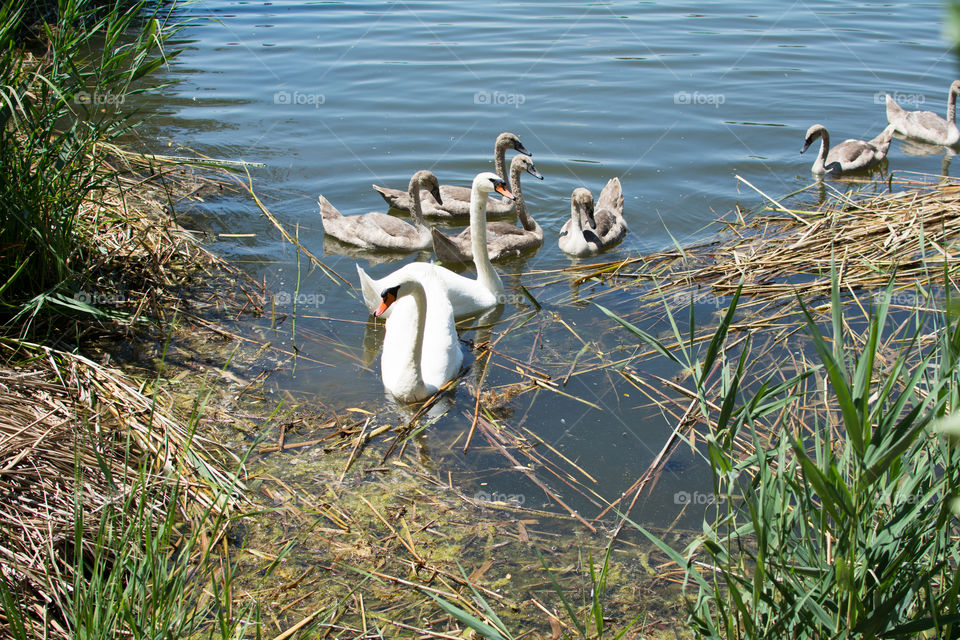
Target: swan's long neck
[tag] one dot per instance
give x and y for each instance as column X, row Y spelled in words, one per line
column 416, row 211
column 952, row 105
column 824, row 148
column 576, row 227
column 487, row 276
column 500, row 158
column 410, row 358
column 525, row 219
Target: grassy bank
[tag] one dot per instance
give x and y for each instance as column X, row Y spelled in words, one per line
column 114, row 509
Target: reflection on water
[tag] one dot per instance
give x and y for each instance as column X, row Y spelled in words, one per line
column 674, row 99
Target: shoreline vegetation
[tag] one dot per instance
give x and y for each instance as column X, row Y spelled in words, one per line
column 814, row 392
column 113, row 505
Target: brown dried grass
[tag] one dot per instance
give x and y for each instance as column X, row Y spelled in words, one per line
column 77, row 436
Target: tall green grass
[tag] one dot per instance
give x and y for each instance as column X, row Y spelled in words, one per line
column 841, row 527
column 63, row 101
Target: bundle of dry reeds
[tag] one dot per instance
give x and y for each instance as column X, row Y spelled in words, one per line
column 782, row 252
column 790, row 251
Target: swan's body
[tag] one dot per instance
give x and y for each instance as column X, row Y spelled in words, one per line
column 414, row 367
column 926, row 126
column 849, row 155
column 379, row 230
column 592, row 229
column 467, row 296
column 504, row 240
column 455, row 199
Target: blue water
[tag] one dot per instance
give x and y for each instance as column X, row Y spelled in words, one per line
column 674, row 99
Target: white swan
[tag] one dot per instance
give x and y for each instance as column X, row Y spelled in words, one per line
column 414, row 368
column 926, row 126
column 849, row 155
column 467, row 296
column 456, row 199
column 379, row 230
column 504, row 240
column 592, row 229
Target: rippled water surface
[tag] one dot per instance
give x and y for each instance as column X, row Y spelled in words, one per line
column 674, row 98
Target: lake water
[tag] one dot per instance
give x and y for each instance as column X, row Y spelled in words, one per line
column 676, row 99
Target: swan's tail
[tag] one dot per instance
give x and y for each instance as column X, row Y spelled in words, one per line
column 611, row 198
column 894, row 111
column 447, row 250
column 327, row 210
column 882, row 141
column 396, row 198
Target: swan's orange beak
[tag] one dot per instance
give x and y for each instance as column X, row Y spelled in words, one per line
column 387, row 298
column 502, row 190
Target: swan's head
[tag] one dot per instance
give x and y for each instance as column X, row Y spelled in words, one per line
column 955, row 87
column 814, row 132
column 488, row 182
column 387, row 298
column 509, row 140
column 426, row 180
column 582, row 203
column 524, row 163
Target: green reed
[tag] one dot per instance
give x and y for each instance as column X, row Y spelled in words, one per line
column 836, row 522
column 63, row 102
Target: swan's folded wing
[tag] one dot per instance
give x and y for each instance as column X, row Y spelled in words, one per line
column 371, row 297
column 339, row 226
column 882, row 141
column 447, row 250
column 503, row 230
column 453, row 192
column 895, row 113
column 925, row 125
column 851, row 153
column 387, row 224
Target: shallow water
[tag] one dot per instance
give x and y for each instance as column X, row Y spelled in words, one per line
column 675, row 100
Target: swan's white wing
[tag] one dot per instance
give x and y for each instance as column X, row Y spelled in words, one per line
column 371, row 290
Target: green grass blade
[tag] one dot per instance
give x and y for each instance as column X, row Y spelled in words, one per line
column 640, row 333
column 478, row 626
